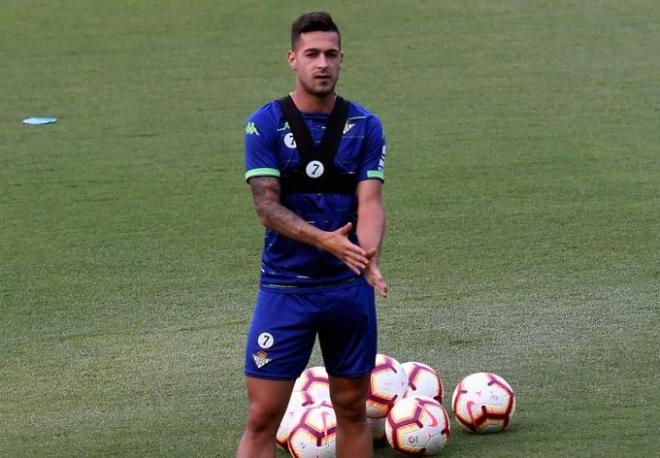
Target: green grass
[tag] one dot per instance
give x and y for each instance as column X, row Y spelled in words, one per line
column 523, row 200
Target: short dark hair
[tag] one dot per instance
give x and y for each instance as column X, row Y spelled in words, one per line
column 314, row 21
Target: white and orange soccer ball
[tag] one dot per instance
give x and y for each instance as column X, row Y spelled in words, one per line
column 313, row 432
column 388, row 383
column 423, row 380
column 484, row 403
column 377, row 427
column 417, row 426
column 314, row 380
column 298, row 400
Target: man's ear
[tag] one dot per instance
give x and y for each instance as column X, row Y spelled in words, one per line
column 291, row 59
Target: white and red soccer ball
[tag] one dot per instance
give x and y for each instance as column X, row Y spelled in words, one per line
column 417, row 426
column 313, row 432
column 484, row 403
column 298, row 400
column 314, row 380
column 404, row 407
column 377, row 428
column 423, row 380
column 311, row 387
column 388, row 383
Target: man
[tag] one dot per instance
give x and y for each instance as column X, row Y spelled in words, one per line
column 314, row 163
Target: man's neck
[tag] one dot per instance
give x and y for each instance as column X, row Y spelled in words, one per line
column 308, row 103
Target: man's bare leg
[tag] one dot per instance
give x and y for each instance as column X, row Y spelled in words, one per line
column 349, row 397
column 268, row 400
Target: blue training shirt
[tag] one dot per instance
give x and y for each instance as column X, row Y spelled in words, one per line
column 270, row 150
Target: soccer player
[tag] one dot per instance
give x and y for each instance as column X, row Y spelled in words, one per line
column 314, row 163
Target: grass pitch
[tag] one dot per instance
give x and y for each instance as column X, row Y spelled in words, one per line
column 523, row 199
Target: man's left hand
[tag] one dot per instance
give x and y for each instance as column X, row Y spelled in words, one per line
column 374, row 276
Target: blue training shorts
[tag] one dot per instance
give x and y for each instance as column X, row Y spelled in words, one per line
column 285, row 325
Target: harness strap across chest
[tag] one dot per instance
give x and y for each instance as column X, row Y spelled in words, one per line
column 317, row 173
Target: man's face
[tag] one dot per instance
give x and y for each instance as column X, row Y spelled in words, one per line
column 316, row 59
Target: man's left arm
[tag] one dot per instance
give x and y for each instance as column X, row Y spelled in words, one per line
column 370, row 230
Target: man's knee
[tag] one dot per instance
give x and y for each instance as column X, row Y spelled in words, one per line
column 350, row 404
column 268, row 400
column 264, row 418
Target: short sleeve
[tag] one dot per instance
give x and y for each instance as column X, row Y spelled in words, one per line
column 373, row 163
column 260, row 153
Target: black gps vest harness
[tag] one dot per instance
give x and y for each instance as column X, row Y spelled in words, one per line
column 316, row 173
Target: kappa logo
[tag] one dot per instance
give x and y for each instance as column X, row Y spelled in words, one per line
column 348, row 126
column 251, row 129
column 261, row 358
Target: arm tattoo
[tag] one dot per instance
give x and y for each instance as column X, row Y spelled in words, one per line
column 273, row 215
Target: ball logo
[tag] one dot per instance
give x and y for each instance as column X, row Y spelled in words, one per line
column 324, row 417
column 434, row 420
column 314, row 169
column 469, row 406
column 289, row 141
column 265, row 340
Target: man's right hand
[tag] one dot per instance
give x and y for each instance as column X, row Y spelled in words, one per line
column 338, row 243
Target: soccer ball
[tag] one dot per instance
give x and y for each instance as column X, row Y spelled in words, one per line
column 417, row 426
column 298, row 400
column 424, row 380
column 483, row 403
column 377, row 427
column 388, row 383
column 314, row 380
column 313, row 432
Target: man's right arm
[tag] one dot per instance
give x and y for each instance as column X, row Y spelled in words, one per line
column 273, row 215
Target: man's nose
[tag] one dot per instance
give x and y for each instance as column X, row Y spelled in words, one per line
column 321, row 61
